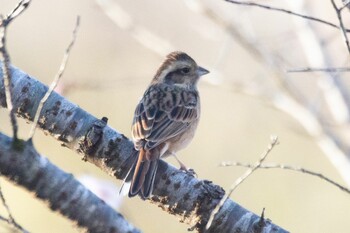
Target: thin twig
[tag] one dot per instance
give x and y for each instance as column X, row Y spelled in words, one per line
column 10, row 220
column 341, row 25
column 329, row 70
column 21, row 6
column 289, row 99
column 285, row 11
column 273, row 143
column 346, row 5
column 6, row 61
column 5, row 58
column 5, row 205
column 6, row 220
column 56, row 79
column 288, row 167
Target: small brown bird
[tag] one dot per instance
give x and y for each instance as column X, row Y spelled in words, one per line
column 165, row 119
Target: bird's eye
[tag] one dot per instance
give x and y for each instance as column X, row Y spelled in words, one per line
column 185, row 70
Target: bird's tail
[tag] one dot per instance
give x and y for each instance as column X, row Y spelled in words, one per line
column 144, row 174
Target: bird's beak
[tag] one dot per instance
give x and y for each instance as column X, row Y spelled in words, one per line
column 201, row 71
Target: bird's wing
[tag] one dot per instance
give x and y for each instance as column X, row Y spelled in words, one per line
column 163, row 113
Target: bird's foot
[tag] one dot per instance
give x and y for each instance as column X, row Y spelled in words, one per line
column 189, row 171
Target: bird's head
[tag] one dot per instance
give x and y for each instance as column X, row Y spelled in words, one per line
column 179, row 69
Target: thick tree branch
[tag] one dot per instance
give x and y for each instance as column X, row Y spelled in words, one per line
column 58, row 189
column 176, row 192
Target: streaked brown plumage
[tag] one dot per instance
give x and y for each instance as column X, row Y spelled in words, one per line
column 165, row 119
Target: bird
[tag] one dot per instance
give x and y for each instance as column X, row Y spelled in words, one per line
column 165, row 119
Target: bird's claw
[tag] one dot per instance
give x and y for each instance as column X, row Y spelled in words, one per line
column 189, row 171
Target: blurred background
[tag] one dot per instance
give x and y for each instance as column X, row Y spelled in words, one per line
column 248, row 96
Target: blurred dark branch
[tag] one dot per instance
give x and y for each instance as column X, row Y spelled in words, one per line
column 288, row 167
column 59, row 190
column 341, row 25
column 10, row 220
column 176, row 192
column 285, row 11
column 56, row 79
column 329, row 70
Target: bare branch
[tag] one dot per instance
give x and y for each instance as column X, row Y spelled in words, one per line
column 341, row 25
column 21, row 6
column 288, row 167
column 5, row 59
column 10, row 220
column 289, row 99
column 346, row 4
column 56, row 79
column 59, row 190
column 10, row 223
column 274, row 142
column 329, row 70
column 286, row 11
column 111, row 151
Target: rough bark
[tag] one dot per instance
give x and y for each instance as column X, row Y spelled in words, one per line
column 176, row 192
column 22, row 164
